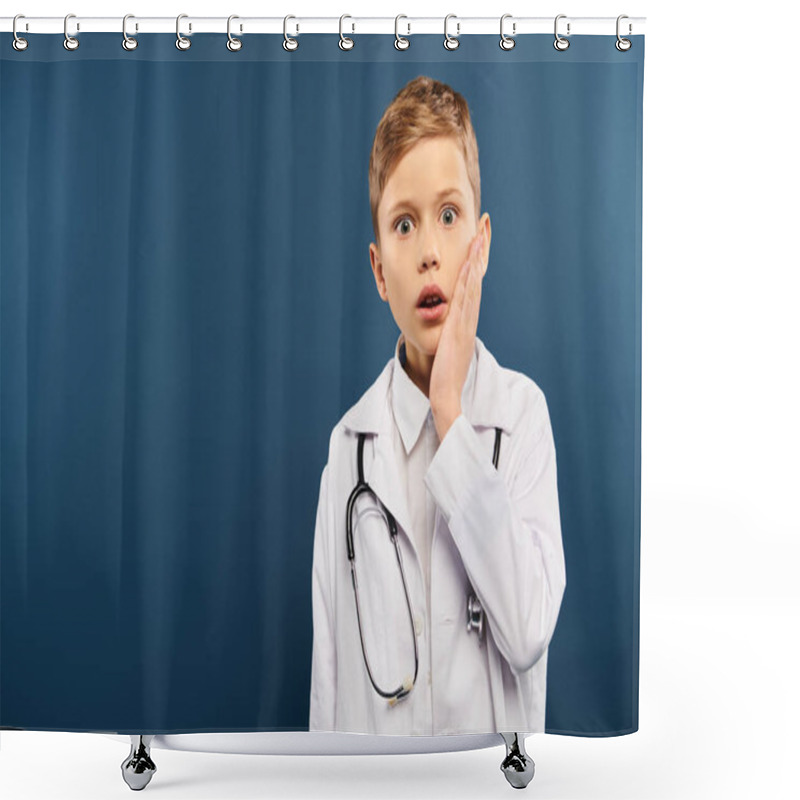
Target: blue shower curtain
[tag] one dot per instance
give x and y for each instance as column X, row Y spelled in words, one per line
column 187, row 309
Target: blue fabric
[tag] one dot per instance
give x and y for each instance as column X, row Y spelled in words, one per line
column 187, row 308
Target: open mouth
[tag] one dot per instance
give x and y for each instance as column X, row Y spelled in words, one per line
column 432, row 309
column 431, row 303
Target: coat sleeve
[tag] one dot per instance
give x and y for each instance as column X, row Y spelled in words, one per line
column 322, row 703
column 507, row 530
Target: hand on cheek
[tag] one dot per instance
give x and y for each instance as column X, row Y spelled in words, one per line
column 457, row 341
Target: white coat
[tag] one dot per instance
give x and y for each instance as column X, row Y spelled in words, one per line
column 498, row 536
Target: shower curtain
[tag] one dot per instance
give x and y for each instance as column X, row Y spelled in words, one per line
column 187, row 311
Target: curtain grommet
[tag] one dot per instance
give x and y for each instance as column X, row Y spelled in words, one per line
column 451, row 42
column 507, row 42
column 401, row 42
column 560, row 42
column 18, row 43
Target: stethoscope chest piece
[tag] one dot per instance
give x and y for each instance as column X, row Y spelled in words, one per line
column 475, row 616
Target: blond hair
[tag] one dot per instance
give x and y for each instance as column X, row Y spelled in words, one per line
column 422, row 109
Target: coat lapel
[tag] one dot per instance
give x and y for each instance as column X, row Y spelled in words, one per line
column 372, row 415
column 384, row 481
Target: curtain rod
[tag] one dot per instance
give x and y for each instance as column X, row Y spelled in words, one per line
column 457, row 26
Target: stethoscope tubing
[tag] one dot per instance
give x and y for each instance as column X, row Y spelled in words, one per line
column 361, row 487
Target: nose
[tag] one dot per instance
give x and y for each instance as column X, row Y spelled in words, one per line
column 430, row 252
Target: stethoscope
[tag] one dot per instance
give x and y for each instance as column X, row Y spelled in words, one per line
column 474, row 610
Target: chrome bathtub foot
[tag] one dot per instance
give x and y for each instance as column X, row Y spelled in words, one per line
column 517, row 766
column 138, row 768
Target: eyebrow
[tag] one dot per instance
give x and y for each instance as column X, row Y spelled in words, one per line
column 439, row 196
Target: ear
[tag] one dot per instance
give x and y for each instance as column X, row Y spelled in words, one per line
column 486, row 224
column 377, row 270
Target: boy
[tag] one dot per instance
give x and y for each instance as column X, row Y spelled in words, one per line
column 443, row 628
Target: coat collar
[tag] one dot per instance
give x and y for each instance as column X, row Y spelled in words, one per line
column 484, row 401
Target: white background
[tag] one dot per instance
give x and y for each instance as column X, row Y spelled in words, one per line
column 719, row 698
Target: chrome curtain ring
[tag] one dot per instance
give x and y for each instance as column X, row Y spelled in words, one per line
column 182, row 43
column 70, row 42
column 400, row 42
column 345, row 43
column 19, row 43
column 561, row 43
column 451, row 42
column 507, row 42
column 623, row 44
column 288, row 42
column 128, row 42
column 233, row 44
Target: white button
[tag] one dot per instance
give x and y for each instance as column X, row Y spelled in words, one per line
column 418, row 624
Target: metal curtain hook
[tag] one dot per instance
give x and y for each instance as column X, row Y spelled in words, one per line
column 506, row 42
column 233, row 44
column 128, row 42
column 345, row 43
column 400, row 42
column 70, row 42
column 19, row 43
column 623, row 44
column 288, row 42
column 561, row 43
column 451, row 42
column 182, row 43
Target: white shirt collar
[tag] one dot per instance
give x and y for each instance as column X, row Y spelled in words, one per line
column 409, row 404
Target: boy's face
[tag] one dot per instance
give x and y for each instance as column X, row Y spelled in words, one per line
column 425, row 236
